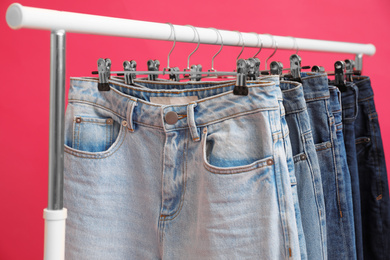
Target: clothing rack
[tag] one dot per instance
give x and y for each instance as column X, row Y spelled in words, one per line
column 59, row 22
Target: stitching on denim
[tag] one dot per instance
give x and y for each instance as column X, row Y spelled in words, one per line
column 97, row 105
column 317, row 98
column 366, row 99
column 300, row 110
column 246, row 168
column 104, row 155
column 176, row 213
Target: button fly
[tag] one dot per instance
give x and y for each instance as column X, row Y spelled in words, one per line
column 171, row 117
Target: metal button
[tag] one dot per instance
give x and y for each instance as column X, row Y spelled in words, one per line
column 328, row 145
column 270, row 162
column 303, row 157
column 78, row 120
column 109, row 121
column 171, row 117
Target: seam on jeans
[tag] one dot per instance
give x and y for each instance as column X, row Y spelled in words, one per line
column 362, row 140
column 317, row 98
column 103, row 155
column 176, row 213
column 95, row 104
column 245, row 168
column 296, row 111
column 366, row 99
column 323, row 146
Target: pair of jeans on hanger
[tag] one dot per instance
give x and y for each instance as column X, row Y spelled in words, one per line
column 207, row 178
column 367, row 166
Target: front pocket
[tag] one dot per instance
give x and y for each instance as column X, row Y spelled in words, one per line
column 92, row 134
column 236, row 146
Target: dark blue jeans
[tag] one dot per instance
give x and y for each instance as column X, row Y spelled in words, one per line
column 340, row 243
column 374, row 190
column 307, row 170
column 350, row 110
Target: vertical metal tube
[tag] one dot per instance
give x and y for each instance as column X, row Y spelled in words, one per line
column 57, row 116
column 359, row 61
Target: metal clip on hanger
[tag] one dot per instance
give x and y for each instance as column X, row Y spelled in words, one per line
column 276, row 68
column 128, row 67
column 254, row 63
column 257, row 60
column 153, row 65
column 339, row 72
column 349, row 66
column 242, row 71
column 318, row 69
column 295, row 64
column 104, row 70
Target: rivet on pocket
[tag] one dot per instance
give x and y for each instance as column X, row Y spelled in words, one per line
column 109, row 121
column 78, row 119
column 205, row 131
column 124, row 123
column 270, row 162
column 303, row 157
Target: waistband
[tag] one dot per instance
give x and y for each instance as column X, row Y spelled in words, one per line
column 315, row 86
column 293, row 96
column 214, row 104
column 364, row 85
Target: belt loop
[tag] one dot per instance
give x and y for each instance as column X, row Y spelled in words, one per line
column 130, row 110
column 356, row 90
column 339, row 96
column 191, row 121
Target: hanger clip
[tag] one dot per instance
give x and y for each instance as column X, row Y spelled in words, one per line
column 196, row 74
column 317, row 69
column 128, row 67
column 349, row 66
column 295, row 67
column 253, row 68
column 339, row 72
column 242, row 71
column 153, row 65
column 276, row 68
column 104, row 69
column 174, row 76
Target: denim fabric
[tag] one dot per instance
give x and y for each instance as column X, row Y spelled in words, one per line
column 290, row 164
column 213, row 185
column 316, row 92
column 348, row 218
column 307, row 170
column 350, row 108
column 374, row 191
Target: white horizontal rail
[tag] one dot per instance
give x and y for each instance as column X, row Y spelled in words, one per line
column 19, row 16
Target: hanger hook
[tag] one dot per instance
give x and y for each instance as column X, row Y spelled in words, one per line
column 219, row 35
column 276, row 48
column 174, row 42
column 295, row 44
column 243, row 44
column 261, row 44
column 197, row 34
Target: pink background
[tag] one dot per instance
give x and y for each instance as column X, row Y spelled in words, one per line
column 24, row 93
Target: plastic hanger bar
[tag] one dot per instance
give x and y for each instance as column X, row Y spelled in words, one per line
column 19, row 16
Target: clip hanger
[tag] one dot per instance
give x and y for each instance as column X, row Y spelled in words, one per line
column 242, row 71
column 104, row 70
column 128, row 67
column 195, row 69
column 339, row 72
column 276, row 68
column 295, row 67
column 318, row 69
column 349, row 66
column 153, row 65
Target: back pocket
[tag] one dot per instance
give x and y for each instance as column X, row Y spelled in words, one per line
column 92, row 134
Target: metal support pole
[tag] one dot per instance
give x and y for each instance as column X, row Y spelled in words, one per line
column 359, row 61
column 57, row 115
column 55, row 215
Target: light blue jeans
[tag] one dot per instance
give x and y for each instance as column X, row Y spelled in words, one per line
column 206, row 179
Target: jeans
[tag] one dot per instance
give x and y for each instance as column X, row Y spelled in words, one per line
column 350, row 109
column 348, row 219
column 317, row 96
column 374, row 191
column 307, row 170
column 205, row 179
